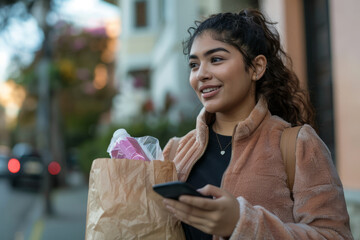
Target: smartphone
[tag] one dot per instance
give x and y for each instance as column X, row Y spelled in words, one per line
column 175, row 189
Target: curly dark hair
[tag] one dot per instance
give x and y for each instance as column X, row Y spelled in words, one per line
column 252, row 34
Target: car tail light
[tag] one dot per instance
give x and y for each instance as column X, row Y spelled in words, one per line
column 54, row 168
column 14, row 165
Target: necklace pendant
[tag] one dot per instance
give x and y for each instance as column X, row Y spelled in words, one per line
column 222, row 152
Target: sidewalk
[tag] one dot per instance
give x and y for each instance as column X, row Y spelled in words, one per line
column 68, row 219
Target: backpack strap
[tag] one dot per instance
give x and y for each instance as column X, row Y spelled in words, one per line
column 288, row 148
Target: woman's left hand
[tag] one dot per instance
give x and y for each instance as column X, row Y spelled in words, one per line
column 217, row 216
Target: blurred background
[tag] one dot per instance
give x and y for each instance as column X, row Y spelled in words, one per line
column 74, row 71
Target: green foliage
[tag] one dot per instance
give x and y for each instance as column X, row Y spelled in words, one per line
column 91, row 150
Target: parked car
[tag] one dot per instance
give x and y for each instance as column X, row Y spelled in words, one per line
column 28, row 171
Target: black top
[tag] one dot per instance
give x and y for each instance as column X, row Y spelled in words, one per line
column 209, row 169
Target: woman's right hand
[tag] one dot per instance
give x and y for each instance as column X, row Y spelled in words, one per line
column 217, row 216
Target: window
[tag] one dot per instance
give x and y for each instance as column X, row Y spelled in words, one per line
column 140, row 78
column 141, row 19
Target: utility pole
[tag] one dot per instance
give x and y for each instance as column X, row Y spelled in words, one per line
column 44, row 101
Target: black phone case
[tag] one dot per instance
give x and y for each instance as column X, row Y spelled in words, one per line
column 175, row 189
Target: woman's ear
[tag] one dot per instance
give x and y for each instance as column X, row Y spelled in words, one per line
column 259, row 64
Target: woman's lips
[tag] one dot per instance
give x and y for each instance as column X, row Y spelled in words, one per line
column 210, row 92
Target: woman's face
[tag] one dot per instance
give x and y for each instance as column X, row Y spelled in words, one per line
column 219, row 78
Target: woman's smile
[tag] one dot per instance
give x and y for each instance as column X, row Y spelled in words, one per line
column 209, row 91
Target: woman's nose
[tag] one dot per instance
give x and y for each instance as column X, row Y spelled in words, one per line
column 203, row 73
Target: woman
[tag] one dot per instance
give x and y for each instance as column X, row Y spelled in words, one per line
column 250, row 95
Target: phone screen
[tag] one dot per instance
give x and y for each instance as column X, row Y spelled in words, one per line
column 175, row 189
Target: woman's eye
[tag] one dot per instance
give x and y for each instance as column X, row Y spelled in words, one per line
column 192, row 65
column 216, row 59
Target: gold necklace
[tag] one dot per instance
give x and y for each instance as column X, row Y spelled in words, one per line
column 222, row 152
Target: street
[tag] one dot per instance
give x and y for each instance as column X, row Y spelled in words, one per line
column 15, row 208
column 23, row 216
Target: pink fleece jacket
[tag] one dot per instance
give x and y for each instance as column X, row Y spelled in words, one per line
column 256, row 176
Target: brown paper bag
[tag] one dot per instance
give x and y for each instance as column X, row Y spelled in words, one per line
column 121, row 202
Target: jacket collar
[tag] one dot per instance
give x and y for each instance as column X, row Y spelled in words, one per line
column 243, row 128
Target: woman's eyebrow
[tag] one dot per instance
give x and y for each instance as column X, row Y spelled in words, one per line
column 211, row 51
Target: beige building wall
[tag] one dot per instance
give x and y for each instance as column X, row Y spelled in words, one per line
column 345, row 47
column 295, row 38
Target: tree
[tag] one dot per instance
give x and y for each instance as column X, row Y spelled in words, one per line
column 70, row 91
